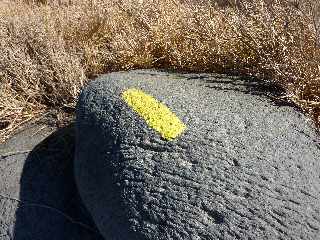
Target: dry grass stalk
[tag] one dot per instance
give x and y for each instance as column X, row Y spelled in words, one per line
column 50, row 48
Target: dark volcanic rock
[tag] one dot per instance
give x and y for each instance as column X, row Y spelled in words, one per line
column 245, row 168
column 38, row 196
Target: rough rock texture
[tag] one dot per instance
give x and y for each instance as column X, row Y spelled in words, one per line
column 38, row 196
column 245, row 168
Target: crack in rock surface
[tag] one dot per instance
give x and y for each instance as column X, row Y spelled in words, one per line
column 244, row 168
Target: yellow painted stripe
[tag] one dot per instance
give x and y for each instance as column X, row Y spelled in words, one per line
column 156, row 114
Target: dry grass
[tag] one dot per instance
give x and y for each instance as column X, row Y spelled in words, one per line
column 50, row 48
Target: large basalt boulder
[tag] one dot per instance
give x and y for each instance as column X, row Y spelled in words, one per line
column 239, row 166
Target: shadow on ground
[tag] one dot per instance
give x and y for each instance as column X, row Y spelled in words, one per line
column 50, row 207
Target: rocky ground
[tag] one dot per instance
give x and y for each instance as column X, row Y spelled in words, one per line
column 38, row 196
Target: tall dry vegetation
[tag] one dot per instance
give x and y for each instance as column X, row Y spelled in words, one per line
column 50, row 48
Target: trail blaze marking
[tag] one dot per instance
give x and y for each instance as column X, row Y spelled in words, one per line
column 156, row 114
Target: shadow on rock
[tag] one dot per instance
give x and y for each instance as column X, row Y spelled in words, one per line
column 50, row 207
column 248, row 85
